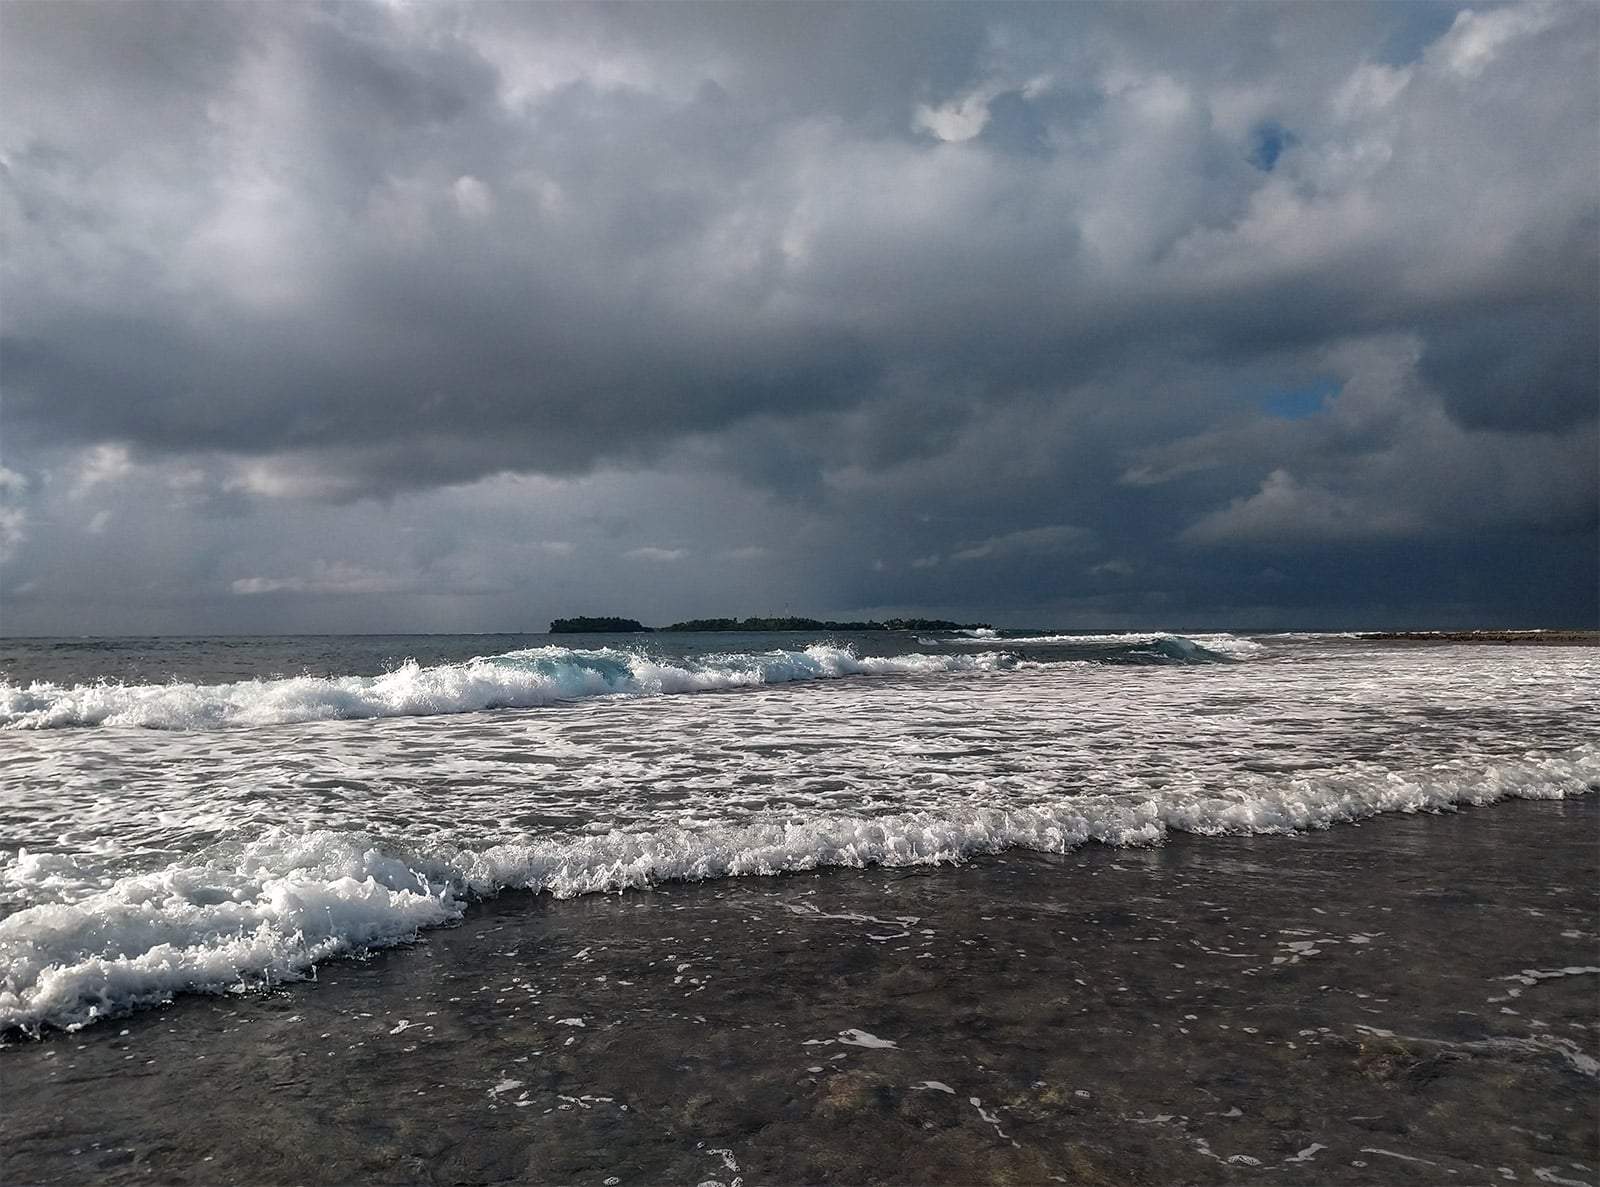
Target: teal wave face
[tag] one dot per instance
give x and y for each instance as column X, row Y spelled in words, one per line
column 513, row 680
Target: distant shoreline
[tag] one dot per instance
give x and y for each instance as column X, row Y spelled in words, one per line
column 613, row 626
column 1526, row 638
column 591, row 626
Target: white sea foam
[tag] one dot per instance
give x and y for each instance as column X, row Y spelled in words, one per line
column 1194, row 647
column 135, row 865
column 520, row 679
column 270, row 909
column 282, row 905
column 1311, row 636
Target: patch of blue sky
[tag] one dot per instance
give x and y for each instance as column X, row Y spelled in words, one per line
column 1301, row 402
column 1268, row 142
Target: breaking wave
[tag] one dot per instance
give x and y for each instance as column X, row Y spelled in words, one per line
column 515, row 680
column 247, row 915
column 550, row 675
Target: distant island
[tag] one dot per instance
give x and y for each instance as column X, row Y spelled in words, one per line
column 595, row 626
column 618, row 626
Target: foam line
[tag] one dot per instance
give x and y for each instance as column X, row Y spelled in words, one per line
column 519, row 679
column 269, row 910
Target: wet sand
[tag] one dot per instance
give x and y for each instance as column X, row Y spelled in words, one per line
column 1412, row 1000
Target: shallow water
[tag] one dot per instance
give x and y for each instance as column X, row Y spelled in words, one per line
column 1064, row 922
column 1408, row 1000
column 136, row 863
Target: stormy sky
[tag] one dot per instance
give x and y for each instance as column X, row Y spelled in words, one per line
column 426, row 317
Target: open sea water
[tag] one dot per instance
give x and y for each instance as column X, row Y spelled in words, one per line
column 227, row 816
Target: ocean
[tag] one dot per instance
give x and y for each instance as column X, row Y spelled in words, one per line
column 738, row 908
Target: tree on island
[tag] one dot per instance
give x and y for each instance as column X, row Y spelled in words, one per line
column 595, row 626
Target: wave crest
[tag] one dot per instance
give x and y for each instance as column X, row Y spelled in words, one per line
column 515, row 680
column 248, row 915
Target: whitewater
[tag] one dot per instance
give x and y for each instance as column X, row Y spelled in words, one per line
column 217, row 816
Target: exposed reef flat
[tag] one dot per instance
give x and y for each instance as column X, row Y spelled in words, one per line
column 1539, row 638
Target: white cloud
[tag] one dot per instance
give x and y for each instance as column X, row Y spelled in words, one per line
column 325, row 578
column 1116, row 567
column 1386, row 460
column 660, row 556
column 293, row 476
column 103, row 465
column 1284, row 511
column 959, row 119
column 13, row 520
column 1477, row 38
column 473, row 198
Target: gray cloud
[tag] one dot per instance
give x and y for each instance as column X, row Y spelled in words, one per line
column 1049, row 539
column 903, row 282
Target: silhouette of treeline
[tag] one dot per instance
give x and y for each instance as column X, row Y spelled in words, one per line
column 582, row 625
column 595, row 626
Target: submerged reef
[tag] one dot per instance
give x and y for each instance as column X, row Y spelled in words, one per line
column 1540, row 637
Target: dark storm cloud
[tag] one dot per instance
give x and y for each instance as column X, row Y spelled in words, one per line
column 1519, row 368
column 941, row 276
